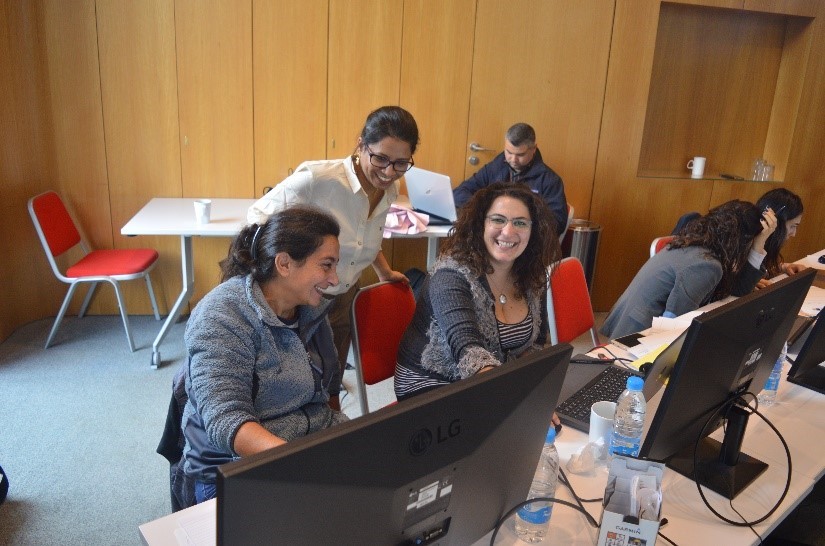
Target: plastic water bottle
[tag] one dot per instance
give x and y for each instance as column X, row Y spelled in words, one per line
column 533, row 519
column 768, row 395
column 629, row 421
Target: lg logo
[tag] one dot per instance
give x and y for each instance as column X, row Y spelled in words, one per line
column 421, row 441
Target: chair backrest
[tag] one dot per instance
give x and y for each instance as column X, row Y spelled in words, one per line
column 568, row 303
column 659, row 243
column 55, row 227
column 381, row 313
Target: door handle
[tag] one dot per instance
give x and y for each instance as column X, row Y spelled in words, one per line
column 476, row 147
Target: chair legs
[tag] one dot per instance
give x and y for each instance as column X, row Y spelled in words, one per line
column 123, row 314
column 59, row 318
column 87, row 300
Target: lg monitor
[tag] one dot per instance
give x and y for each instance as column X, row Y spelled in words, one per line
column 441, row 467
column 807, row 369
column 727, row 352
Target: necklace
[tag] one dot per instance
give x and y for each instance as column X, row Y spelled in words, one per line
column 502, row 298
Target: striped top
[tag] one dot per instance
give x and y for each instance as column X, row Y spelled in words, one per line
column 411, row 381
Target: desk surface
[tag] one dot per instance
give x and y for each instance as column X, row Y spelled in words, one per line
column 176, row 216
column 690, row 522
column 799, row 415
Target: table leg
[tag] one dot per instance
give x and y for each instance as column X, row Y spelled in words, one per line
column 432, row 252
column 188, row 274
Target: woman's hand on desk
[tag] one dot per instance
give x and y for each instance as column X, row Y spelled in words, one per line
column 763, row 283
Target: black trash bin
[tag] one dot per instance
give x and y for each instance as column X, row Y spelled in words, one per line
column 582, row 241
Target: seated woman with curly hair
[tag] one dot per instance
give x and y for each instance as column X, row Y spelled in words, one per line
column 706, row 261
column 485, row 302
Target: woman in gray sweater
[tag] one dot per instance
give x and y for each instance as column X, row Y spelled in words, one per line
column 712, row 257
column 260, row 350
column 485, row 301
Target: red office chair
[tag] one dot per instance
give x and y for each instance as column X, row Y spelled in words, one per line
column 380, row 314
column 59, row 234
column 659, row 243
column 568, row 303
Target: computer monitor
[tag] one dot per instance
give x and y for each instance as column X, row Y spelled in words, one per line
column 727, row 352
column 443, row 466
column 807, row 369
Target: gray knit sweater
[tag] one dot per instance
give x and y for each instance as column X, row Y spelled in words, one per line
column 245, row 364
column 454, row 331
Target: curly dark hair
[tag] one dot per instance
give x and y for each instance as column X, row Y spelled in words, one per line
column 726, row 232
column 298, row 230
column 787, row 206
column 466, row 241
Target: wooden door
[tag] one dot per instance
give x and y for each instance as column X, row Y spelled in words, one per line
column 542, row 63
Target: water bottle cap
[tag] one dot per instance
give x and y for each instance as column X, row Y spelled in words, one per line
column 551, row 435
column 635, row 383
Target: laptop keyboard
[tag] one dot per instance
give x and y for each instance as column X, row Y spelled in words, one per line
column 608, row 385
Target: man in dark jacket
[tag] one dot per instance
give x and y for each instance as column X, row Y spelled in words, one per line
column 519, row 162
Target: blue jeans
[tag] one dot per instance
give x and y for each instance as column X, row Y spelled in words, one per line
column 205, row 491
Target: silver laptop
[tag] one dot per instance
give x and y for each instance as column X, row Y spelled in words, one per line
column 432, row 194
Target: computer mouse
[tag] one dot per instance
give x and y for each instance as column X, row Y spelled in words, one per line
column 558, row 429
column 822, row 259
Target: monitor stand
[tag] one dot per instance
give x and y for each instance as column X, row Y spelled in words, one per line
column 723, row 468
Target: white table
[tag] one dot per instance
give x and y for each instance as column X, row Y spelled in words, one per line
column 176, row 216
column 432, row 234
column 690, row 522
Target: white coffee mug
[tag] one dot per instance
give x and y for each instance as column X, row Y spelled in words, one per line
column 601, row 422
column 697, row 167
column 203, row 209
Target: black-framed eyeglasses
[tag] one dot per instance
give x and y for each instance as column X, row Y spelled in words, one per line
column 500, row 222
column 382, row 162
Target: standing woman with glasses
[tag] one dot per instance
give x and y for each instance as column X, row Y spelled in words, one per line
column 358, row 191
column 486, row 301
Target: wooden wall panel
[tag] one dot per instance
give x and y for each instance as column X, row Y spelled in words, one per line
column 364, row 74
column 436, row 73
column 634, row 210
column 364, row 66
column 214, row 68
column 290, row 86
column 707, row 98
column 27, row 166
column 140, row 116
column 532, row 63
column 631, row 211
column 805, row 174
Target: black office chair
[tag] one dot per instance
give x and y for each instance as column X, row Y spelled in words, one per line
column 684, row 220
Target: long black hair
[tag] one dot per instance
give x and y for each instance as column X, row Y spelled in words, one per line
column 298, row 230
column 726, row 232
column 787, row 206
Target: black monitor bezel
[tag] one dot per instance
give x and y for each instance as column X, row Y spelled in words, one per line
column 521, row 394
column 697, row 388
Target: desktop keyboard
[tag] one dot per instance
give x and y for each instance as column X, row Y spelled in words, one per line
column 608, row 385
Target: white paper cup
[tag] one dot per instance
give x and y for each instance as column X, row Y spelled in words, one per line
column 601, row 422
column 203, row 209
